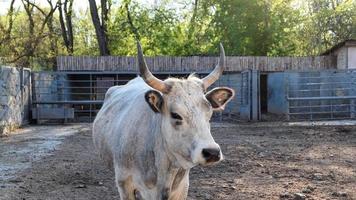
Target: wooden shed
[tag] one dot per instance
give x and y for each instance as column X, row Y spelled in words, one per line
column 345, row 53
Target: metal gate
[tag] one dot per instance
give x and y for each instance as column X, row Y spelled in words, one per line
column 71, row 96
column 321, row 95
column 250, row 106
column 78, row 96
column 74, row 96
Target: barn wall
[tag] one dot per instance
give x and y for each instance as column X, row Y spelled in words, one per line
column 194, row 63
column 341, row 55
column 351, row 58
column 14, row 98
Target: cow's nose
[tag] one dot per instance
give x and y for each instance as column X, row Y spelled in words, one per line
column 211, row 155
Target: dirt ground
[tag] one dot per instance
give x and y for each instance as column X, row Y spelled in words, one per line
column 262, row 161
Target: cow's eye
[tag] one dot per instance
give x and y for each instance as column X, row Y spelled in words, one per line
column 176, row 116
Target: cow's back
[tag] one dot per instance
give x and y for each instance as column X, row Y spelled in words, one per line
column 116, row 125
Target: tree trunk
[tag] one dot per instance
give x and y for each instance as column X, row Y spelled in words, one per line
column 100, row 26
column 65, row 20
column 7, row 32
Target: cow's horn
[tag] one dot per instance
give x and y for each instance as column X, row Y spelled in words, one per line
column 216, row 73
column 147, row 75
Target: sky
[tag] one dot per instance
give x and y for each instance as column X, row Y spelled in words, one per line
column 77, row 5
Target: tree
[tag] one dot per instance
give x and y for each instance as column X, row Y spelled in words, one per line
column 6, row 31
column 34, row 38
column 65, row 10
column 34, row 34
column 100, row 24
column 243, row 26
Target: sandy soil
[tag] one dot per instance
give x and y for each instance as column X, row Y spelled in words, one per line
column 263, row 161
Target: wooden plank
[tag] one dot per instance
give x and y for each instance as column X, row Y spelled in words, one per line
column 193, row 63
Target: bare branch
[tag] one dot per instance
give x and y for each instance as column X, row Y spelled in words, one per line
column 133, row 28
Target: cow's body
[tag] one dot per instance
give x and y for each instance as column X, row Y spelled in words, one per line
column 127, row 134
column 153, row 132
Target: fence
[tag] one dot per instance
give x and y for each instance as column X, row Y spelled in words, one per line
column 194, row 63
column 325, row 95
column 75, row 97
column 250, row 104
column 78, row 96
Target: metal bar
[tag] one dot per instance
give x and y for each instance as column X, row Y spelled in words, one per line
column 47, row 93
column 85, row 111
column 352, row 109
column 320, row 106
column 327, row 112
column 71, row 87
column 321, row 118
column 91, row 92
column 320, row 77
column 69, row 102
column 327, row 83
column 83, row 81
column 84, row 87
column 125, row 73
column 315, row 90
column 320, row 98
column 286, row 78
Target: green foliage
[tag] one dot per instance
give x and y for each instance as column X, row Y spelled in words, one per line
column 85, row 42
column 245, row 27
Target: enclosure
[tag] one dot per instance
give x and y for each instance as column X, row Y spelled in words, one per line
column 262, row 161
column 278, row 159
column 289, row 132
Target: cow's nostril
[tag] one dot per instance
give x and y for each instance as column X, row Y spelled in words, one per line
column 211, row 155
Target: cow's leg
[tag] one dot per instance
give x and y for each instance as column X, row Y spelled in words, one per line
column 124, row 183
column 182, row 192
column 126, row 189
column 180, row 186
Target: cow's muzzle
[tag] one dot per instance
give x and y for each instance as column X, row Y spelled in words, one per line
column 211, row 155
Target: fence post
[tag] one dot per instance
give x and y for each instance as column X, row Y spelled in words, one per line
column 286, row 84
column 352, row 108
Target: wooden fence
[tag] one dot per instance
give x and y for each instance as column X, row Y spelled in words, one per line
column 194, row 63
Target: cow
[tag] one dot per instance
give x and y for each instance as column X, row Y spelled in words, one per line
column 152, row 132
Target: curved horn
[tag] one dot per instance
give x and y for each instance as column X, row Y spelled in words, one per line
column 147, row 75
column 216, row 73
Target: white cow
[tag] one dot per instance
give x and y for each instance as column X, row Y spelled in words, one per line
column 153, row 132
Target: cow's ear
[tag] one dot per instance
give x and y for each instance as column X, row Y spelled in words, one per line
column 218, row 97
column 154, row 100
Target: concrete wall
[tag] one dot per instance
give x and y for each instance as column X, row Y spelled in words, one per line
column 14, row 98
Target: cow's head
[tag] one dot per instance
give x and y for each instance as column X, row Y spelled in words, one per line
column 186, row 109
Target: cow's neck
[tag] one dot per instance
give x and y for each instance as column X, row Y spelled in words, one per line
column 164, row 153
column 170, row 173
